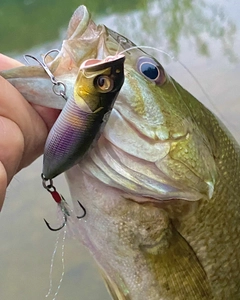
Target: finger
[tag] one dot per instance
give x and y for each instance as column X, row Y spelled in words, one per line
column 11, row 150
column 3, row 184
column 34, row 131
column 49, row 115
column 23, row 129
column 11, row 146
column 8, row 63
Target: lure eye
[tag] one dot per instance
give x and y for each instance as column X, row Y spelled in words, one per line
column 151, row 70
column 104, row 83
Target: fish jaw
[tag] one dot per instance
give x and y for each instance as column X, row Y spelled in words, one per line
column 151, row 150
column 33, row 82
column 84, row 40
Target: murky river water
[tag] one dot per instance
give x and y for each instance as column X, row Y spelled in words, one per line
column 205, row 37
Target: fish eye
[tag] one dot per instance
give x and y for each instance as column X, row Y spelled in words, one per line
column 151, row 69
column 104, row 83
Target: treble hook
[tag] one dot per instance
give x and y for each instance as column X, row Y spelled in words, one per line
column 84, row 211
column 59, row 199
column 56, row 83
column 56, row 229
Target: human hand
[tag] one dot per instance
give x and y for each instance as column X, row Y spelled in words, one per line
column 23, row 129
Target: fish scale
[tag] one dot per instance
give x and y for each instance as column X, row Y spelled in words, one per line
column 220, row 238
column 175, row 235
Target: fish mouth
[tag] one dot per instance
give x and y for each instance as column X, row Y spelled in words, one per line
column 36, row 87
column 124, row 159
column 84, row 40
column 35, row 84
column 149, row 139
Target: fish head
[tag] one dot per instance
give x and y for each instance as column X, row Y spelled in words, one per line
column 152, row 164
column 164, row 119
column 167, row 126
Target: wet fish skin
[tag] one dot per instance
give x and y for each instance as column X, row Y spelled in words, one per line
column 163, row 249
column 156, row 193
column 161, row 186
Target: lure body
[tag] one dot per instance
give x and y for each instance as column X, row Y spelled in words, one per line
column 84, row 115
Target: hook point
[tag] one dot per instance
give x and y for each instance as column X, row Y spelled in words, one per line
column 84, row 211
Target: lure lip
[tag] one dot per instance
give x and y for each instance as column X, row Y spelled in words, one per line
column 99, row 64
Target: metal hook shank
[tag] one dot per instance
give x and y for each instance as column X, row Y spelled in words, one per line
column 56, row 229
column 84, row 211
column 56, row 83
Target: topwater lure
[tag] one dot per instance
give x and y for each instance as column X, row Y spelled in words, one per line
column 84, row 115
column 81, row 121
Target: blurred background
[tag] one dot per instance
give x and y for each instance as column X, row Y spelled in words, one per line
column 200, row 35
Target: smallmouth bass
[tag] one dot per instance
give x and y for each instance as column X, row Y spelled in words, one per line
column 161, row 186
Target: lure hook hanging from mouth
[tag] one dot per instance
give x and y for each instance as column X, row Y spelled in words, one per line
column 59, row 199
column 56, row 229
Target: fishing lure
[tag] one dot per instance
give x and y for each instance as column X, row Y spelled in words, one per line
column 59, row 199
column 85, row 114
column 82, row 119
column 59, row 88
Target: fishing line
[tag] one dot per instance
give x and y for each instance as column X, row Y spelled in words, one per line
column 147, row 47
column 52, row 264
column 185, row 67
column 174, row 59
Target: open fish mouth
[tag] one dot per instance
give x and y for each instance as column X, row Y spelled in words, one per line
column 34, row 83
column 84, row 40
column 142, row 104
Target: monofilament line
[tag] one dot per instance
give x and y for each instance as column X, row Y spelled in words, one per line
column 52, row 264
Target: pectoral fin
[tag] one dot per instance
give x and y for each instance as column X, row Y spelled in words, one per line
column 179, row 272
column 115, row 292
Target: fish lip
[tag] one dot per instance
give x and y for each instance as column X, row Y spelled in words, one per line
column 144, row 199
column 34, row 83
column 35, row 71
column 99, row 64
column 84, row 15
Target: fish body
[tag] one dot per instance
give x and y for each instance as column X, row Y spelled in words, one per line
column 160, row 187
column 84, row 115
